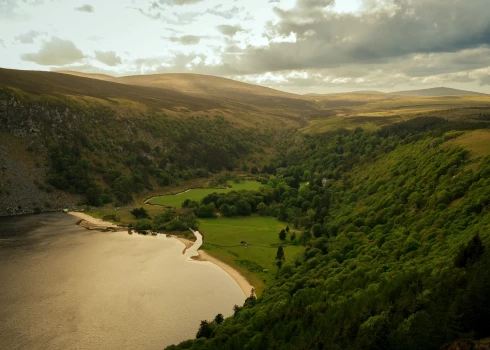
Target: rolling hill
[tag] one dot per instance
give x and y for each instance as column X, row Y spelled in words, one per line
column 435, row 92
column 173, row 94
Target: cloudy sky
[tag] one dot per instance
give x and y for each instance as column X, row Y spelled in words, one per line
column 293, row 45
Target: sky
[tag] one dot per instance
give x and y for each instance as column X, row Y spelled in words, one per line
column 299, row 46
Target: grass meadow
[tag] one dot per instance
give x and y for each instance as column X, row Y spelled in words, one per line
column 197, row 194
column 222, row 237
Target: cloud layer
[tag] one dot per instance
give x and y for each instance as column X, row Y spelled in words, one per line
column 296, row 45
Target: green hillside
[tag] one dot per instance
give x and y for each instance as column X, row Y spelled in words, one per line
column 396, row 226
column 104, row 155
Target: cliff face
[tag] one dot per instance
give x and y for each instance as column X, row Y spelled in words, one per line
column 23, row 167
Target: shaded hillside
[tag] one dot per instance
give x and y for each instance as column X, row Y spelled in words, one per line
column 92, row 151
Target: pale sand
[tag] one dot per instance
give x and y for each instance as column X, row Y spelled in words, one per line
column 93, row 223
column 239, row 279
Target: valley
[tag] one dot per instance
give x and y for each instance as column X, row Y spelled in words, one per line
column 360, row 219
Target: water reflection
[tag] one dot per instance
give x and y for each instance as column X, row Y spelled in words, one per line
column 63, row 287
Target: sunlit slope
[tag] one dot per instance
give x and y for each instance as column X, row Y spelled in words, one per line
column 438, row 91
column 230, row 94
column 173, row 94
column 371, row 110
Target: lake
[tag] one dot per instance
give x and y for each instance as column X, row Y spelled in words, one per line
column 64, row 287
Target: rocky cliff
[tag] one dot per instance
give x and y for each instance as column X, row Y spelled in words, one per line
column 23, row 153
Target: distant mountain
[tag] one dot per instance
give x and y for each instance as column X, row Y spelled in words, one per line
column 433, row 92
column 359, row 92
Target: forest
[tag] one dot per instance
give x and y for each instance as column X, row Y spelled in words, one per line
column 396, row 228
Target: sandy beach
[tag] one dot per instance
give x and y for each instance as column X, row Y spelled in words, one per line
column 242, row 281
column 92, row 223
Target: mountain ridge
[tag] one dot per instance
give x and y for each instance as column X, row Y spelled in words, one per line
column 437, row 91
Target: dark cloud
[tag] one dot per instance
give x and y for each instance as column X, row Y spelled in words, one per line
column 55, row 52
column 108, row 57
column 85, row 8
column 229, row 30
column 326, row 39
column 27, row 38
column 186, row 40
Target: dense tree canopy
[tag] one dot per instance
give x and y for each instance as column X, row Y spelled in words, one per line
column 396, row 228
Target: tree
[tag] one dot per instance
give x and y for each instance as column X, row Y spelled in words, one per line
column 469, row 254
column 243, row 207
column 282, row 235
column 317, row 230
column 219, row 319
column 236, row 309
column 287, row 228
column 139, row 213
column 293, row 236
column 207, row 211
column 280, row 257
column 227, row 210
column 204, row 330
column 262, row 209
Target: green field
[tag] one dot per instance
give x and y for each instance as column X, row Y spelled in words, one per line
column 222, row 237
column 197, row 194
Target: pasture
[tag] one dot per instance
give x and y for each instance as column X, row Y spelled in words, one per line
column 222, row 237
column 175, row 200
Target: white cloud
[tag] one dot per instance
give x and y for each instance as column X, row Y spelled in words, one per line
column 28, row 37
column 108, row 57
column 85, row 8
column 56, row 52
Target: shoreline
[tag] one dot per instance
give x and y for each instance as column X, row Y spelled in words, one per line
column 242, row 282
column 91, row 223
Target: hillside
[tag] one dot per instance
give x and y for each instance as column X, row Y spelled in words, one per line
column 175, row 95
column 193, row 84
column 107, row 140
column 230, row 94
column 396, row 225
column 78, row 141
column 434, row 92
